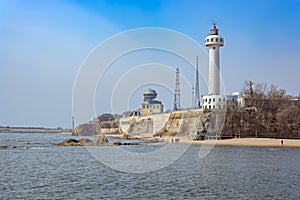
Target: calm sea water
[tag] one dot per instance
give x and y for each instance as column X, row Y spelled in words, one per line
column 36, row 169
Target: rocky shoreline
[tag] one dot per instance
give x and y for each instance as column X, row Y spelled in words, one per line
column 102, row 140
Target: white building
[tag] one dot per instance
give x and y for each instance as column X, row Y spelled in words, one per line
column 214, row 102
column 232, row 101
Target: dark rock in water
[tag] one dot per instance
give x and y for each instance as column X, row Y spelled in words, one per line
column 102, row 140
column 130, row 143
column 85, row 141
column 3, row 147
column 87, row 129
column 70, row 142
column 125, row 143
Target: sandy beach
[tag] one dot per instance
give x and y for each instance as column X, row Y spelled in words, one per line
column 255, row 142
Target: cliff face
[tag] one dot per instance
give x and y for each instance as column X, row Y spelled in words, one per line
column 87, row 129
column 143, row 127
column 190, row 123
column 208, row 124
column 180, row 123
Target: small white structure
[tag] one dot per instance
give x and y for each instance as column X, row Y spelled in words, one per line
column 213, row 102
column 235, row 99
column 232, row 101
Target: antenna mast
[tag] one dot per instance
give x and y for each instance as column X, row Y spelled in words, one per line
column 193, row 96
column 197, row 90
column 177, row 92
column 73, row 122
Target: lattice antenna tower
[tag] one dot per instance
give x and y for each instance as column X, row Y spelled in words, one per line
column 177, row 92
column 197, row 89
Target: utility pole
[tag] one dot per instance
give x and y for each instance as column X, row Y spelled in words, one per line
column 251, row 88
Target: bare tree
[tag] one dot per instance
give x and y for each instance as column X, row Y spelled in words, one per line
column 269, row 112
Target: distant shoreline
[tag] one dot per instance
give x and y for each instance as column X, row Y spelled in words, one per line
column 33, row 130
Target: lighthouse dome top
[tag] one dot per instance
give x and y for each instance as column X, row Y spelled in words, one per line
column 214, row 39
column 214, row 30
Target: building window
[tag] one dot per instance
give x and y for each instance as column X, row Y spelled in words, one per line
column 214, row 100
column 214, row 107
column 221, row 40
column 220, row 100
column 223, row 99
column 211, row 39
column 207, row 40
column 209, row 107
column 217, row 40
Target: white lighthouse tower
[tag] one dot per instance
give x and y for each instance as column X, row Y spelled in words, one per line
column 214, row 41
column 214, row 100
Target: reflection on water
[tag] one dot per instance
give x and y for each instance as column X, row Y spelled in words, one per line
column 36, row 169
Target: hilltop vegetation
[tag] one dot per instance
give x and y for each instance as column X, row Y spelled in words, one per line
column 268, row 112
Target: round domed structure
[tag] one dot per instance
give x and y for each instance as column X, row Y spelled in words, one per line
column 149, row 95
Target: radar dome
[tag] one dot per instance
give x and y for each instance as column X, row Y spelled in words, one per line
column 149, row 95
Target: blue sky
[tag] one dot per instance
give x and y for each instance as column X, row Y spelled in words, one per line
column 43, row 44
